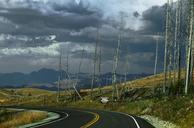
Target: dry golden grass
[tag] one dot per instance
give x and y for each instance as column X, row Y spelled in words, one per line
column 23, row 118
column 146, row 82
column 23, row 95
column 33, row 91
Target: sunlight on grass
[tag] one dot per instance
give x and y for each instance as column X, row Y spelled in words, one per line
column 22, row 118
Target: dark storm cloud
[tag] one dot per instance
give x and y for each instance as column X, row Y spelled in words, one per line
column 73, row 8
column 35, row 19
column 154, row 19
column 33, row 23
column 78, row 24
column 80, row 54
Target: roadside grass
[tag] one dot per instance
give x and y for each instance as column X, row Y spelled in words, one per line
column 14, row 120
column 187, row 121
column 31, row 91
column 178, row 110
column 2, row 111
column 137, row 107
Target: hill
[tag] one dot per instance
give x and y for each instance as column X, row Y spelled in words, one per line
column 46, row 79
column 138, row 99
column 16, row 96
column 19, row 79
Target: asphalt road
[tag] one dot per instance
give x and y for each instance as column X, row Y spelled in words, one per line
column 74, row 118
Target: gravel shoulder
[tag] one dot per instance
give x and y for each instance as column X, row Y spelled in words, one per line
column 158, row 123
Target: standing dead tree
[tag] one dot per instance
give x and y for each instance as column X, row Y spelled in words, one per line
column 95, row 64
column 167, row 39
column 99, row 81
column 178, row 31
column 156, row 54
column 179, row 43
column 170, row 47
column 59, row 75
column 176, row 42
column 115, row 93
column 77, row 77
column 189, row 65
column 114, row 77
column 70, row 85
column 127, row 70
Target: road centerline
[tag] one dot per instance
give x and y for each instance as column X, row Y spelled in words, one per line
column 93, row 121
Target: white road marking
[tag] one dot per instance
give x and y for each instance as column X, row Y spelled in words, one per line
column 131, row 117
column 136, row 123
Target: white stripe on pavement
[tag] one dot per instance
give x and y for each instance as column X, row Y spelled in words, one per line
column 130, row 117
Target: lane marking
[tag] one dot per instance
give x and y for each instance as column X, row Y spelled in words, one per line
column 136, row 123
column 138, row 126
column 96, row 118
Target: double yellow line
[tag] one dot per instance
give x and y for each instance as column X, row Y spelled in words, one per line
column 97, row 117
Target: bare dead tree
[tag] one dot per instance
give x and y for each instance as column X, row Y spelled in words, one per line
column 190, row 45
column 99, row 68
column 77, row 77
column 156, row 54
column 176, row 41
column 95, row 64
column 180, row 39
column 115, row 93
column 126, row 70
column 171, row 47
column 59, row 75
column 166, row 44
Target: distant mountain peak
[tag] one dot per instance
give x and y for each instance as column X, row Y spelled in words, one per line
column 46, row 77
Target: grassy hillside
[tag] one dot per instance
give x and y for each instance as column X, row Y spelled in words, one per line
column 31, row 91
column 17, row 96
column 178, row 110
column 139, row 100
column 146, row 82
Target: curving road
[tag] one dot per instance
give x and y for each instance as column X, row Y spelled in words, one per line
column 74, row 118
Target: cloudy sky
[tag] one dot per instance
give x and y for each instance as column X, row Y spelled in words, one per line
column 33, row 31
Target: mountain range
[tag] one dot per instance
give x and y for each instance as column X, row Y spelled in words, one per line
column 47, row 78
